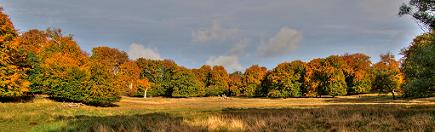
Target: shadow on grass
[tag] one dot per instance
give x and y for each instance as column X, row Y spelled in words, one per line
column 368, row 99
column 336, row 118
column 19, row 99
column 323, row 118
column 132, row 123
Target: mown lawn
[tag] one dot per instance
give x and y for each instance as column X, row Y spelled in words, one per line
column 349, row 113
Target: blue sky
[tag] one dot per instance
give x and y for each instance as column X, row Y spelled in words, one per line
column 233, row 33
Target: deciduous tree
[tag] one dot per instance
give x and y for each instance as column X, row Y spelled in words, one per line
column 218, row 81
column 13, row 64
column 325, row 76
column 422, row 10
column 287, row 79
column 184, row 84
column 127, row 78
column 111, row 57
column 418, row 66
column 388, row 77
column 101, row 88
column 357, row 72
column 235, row 83
column 145, row 84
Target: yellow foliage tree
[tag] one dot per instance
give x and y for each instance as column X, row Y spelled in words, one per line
column 13, row 68
column 144, row 83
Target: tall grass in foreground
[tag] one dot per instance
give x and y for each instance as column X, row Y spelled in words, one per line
column 324, row 118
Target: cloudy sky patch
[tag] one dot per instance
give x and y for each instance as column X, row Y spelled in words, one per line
column 236, row 34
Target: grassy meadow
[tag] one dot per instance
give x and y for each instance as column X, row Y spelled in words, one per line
column 368, row 112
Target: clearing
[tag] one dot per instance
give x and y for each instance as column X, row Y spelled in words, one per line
column 368, row 112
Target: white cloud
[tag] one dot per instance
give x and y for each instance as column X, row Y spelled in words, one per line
column 215, row 32
column 239, row 47
column 136, row 51
column 231, row 63
column 285, row 41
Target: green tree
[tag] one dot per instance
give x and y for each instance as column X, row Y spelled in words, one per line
column 388, row 77
column 422, row 10
column 185, row 84
column 101, row 89
column 418, row 66
column 333, row 77
column 159, row 73
column 287, row 79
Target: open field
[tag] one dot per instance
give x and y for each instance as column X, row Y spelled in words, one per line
column 359, row 112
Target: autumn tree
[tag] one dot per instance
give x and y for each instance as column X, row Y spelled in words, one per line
column 325, row 76
column 418, row 66
column 218, row 84
column 203, row 74
column 357, row 72
column 63, row 65
column 33, row 43
column 33, row 40
column 287, row 79
column 388, row 77
column 13, row 65
column 252, row 79
column 311, row 80
column 111, row 57
column 145, row 85
column 127, row 78
column 235, row 84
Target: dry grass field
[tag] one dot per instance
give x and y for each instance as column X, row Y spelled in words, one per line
column 369, row 112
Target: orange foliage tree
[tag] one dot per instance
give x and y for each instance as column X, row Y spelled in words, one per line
column 203, row 74
column 111, row 57
column 388, row 77
column 145, row 84
column 252, row 79
column 218, row 82
column 63, row 68
column 325, row 76
column 358, row 73
column 13, row 64
column 127, row 78
column 235, row 83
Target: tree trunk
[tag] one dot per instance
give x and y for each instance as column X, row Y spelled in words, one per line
column 145, row 93
column 129, row 88
column 394, row 97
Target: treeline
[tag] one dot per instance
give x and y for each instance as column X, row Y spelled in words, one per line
column 48, row 62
